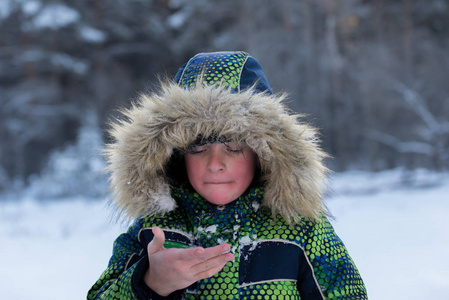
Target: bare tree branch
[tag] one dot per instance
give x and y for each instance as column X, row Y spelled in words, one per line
column 418, row 105
column 402, row 147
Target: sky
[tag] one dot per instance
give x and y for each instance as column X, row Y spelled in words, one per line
column 397, row 235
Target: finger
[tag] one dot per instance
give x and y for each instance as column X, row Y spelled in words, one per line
column 200, row 254
column 157, row 243
column 212, row 263
column 210, row 270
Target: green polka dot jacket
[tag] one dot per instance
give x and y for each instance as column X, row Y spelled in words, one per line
column 273, row 260
column 282, row 241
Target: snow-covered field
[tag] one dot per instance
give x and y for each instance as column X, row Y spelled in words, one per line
column 398, row 236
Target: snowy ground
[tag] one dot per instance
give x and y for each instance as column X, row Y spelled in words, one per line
column 397, row 235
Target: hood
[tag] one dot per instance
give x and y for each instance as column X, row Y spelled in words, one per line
column 173, row 117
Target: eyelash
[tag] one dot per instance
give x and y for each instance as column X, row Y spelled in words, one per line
column 193, row 151
column 235, row 151
column 239, row 150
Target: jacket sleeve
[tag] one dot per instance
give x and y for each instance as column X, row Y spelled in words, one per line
column 123, row 278
column 116, row 280
column 327, row 271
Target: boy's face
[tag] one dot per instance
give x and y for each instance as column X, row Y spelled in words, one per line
column 219, row 172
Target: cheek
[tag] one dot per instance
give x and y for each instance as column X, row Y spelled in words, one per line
column 247, row 167
column 193, row 168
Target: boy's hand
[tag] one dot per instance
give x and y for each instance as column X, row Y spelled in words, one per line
column 174, row 269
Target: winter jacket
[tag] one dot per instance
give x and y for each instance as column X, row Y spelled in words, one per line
column 282, row 241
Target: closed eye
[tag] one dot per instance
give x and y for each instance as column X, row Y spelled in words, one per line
column 197, row 150
column 234, row 147
column 237, row 150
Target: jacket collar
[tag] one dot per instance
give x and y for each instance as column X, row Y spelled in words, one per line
column 195, row 205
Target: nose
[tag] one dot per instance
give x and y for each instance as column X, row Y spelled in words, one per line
column 216, row 161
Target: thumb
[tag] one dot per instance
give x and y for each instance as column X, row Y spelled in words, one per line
column 157, row 243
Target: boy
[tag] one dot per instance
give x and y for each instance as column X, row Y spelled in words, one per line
column 225, row 187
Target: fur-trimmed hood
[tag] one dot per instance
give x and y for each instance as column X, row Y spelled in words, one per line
column 174, row 117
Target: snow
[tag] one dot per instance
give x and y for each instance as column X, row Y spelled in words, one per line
column 398, row 237
column 178, row 19
column 396, row 232
column 31, row 7
column 211, row 229
column 5, row 9
column 55, row 16
column 69, row 63
column 51, row 249
column 246, row 240
column 61, row 60
column 76, row 169
column 92, row 35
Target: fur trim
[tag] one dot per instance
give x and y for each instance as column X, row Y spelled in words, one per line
column 290, row 158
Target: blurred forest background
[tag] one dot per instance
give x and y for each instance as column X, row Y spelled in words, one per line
column 371, row 74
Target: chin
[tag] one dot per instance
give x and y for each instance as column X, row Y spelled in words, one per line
column 219, row 201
